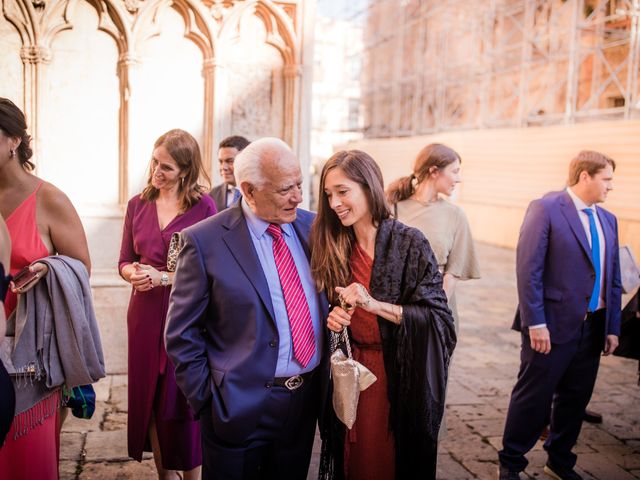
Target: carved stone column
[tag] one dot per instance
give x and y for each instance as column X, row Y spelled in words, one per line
column 126, row 64
column 291, row 74
column 222, row 107
column 34, row 58
column 209, row 127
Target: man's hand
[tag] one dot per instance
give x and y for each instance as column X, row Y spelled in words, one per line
column 611, row 344
column 540, row 340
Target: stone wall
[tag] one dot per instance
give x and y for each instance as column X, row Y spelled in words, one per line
column 100, row 80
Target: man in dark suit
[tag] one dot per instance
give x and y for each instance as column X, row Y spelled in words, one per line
column 569, row 292
column 245, row 325
column 228, row 193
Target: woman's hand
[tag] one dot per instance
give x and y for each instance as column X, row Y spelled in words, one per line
column 141, row 279
column 356, row 295
column 39, row 269
column 338, row 319
column 154, row 274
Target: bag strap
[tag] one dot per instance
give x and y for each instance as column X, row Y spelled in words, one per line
column 343, row 337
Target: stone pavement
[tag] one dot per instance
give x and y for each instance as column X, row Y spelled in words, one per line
column 483, row 373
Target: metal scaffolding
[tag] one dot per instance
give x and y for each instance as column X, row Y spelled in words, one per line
column 440, row 65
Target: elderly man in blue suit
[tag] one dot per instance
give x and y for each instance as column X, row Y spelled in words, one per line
column 246, row 324
column 569, row 293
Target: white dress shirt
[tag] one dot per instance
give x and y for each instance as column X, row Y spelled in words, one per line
column 584, row 219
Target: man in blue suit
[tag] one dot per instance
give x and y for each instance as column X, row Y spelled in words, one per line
column 569, row 293
column 246, row 324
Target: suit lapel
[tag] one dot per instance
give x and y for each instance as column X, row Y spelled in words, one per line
column 571, row 214
column 221, row 197
column 303, row 229
column 238, row 240
column 608, row 243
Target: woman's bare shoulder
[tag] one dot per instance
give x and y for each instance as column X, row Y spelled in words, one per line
column 53, row 199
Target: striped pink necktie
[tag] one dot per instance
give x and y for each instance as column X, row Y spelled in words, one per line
column 304, row 345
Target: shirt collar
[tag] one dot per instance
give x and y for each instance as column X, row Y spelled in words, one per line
column 577, row 201
column 230, row 187
column 257, row 226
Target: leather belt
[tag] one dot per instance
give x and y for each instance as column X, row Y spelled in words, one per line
column 294, row 382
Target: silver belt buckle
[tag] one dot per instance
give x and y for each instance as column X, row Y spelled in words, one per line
column 295, row 382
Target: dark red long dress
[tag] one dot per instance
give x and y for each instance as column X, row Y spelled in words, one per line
column 152, row 384
column 369, row 446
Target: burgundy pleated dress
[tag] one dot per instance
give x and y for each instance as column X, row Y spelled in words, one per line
column 152, row 384
column 369, row 446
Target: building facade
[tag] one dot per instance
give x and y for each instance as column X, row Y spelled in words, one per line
column 518, row 87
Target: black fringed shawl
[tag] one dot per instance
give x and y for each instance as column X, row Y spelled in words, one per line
column 416, row 353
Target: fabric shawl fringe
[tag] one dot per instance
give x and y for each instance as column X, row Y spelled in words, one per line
column 35, row 416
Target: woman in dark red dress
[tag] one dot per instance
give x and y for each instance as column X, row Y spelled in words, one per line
column 399, row 324
column 159, row 418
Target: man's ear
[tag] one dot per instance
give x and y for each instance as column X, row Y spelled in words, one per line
column 584, row 176
column 247, row 190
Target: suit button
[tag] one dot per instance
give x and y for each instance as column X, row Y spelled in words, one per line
column 587, row 297
column 273, row 343
column 268, row 385
column 593, row 275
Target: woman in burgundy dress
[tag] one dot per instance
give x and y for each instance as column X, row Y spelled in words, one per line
column 159, row 417
column 399, row 324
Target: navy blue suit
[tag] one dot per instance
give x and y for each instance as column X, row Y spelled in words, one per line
column 222, row 338
column 555, row 277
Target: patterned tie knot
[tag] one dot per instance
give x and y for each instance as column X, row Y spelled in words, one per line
column 275, row 231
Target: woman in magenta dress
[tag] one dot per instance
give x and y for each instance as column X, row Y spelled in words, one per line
column 159, row 419
column 41, row 221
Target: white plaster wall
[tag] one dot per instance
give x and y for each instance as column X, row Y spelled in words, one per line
column 79, row 135
column 80, row 118
column 167, row 92
column 11, row 70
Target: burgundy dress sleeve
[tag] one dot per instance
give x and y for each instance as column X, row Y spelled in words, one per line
column 211, row 206
column 127, row 251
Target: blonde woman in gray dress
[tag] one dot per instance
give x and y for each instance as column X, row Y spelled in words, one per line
column 418, row 201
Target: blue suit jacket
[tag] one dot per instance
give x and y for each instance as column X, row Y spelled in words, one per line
column 221, row 333
column 555, row 274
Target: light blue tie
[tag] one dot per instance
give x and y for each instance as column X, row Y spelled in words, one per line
column 595, row 257
column 234, row 196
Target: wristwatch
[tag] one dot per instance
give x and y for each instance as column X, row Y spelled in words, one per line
column 164, row 279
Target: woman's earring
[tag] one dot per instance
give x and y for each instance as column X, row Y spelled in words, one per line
column 182, row 181
column 12, row 153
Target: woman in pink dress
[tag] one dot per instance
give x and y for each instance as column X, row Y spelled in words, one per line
column 159, row 418
column 41, row 222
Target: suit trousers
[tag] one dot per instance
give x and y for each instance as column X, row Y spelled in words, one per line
column 553, row 389
column 279, row 447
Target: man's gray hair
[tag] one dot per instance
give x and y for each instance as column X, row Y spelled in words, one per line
column 248, row 165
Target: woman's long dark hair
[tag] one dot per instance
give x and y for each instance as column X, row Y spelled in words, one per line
column 431, row 158
column 331, row 242
column 184, row 150
column 13, row 124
